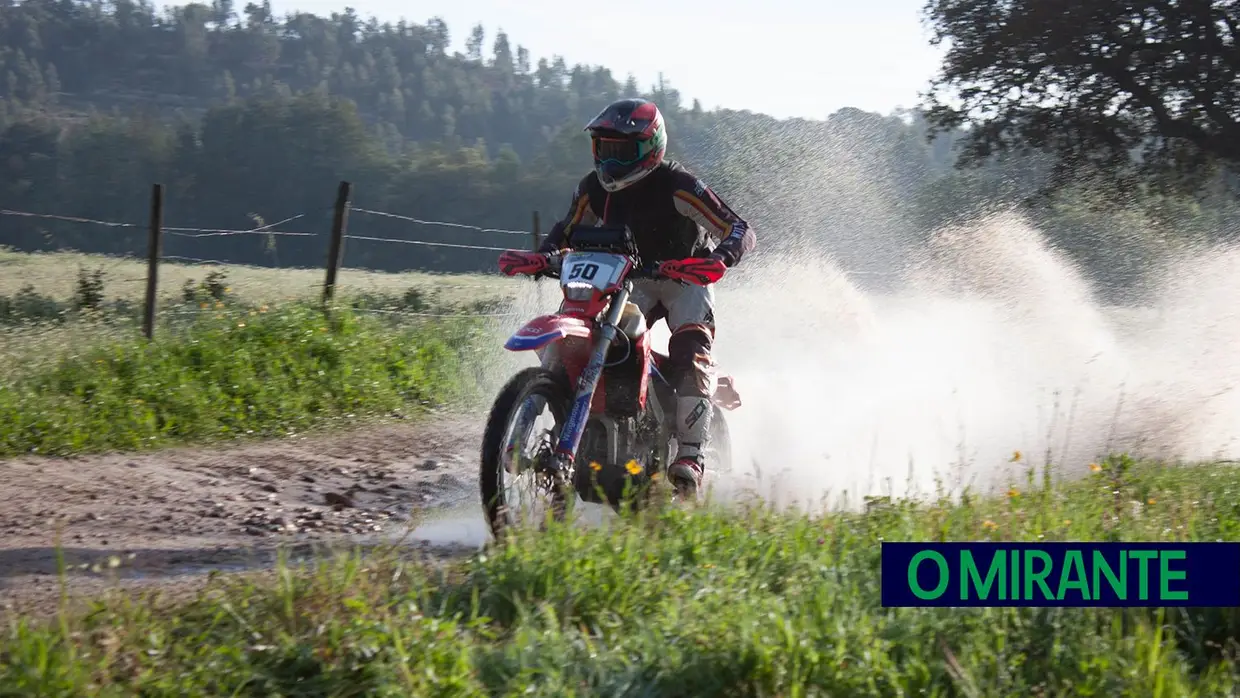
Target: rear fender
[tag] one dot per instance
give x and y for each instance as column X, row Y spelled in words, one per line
column 547, row 329
column 726, row 395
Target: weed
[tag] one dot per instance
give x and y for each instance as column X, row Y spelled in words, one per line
column 741, row 602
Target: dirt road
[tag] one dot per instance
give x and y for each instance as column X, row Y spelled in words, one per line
column 169, row 517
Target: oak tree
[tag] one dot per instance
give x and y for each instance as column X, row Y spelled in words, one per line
column 1132, row 90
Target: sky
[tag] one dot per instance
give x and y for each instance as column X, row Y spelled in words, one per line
column 785, row 58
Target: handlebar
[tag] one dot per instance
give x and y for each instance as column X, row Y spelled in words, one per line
column 700, row 271
column 644, row 271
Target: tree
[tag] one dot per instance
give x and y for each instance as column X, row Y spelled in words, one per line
column 523, row 60
column 1123, row 89
column 502, row 53
column 473, row 45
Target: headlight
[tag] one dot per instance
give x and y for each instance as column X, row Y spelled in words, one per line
column 578, row 292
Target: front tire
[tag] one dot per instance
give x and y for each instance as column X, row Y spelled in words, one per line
column 507, row 453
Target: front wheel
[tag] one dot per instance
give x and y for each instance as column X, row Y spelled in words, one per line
column 517, row 464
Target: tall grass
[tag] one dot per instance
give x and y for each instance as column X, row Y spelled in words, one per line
column 714, row 603
column 233, row 373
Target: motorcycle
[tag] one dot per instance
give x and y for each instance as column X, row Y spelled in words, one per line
column 611, row 432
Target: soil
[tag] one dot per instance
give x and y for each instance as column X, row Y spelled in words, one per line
column 165, row 519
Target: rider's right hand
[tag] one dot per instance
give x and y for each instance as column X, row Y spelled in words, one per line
column 513, row 262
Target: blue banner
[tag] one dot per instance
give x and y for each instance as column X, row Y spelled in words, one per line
column 1061, row 574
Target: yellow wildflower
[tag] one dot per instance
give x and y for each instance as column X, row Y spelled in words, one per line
column 1015, row 456
column 1152, row 500
column 1095, row 467
column 1013, row 492
column 989, row 524
column 595, row 467
column 633, row 467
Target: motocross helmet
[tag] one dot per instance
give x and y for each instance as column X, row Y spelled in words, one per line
column 629, row 141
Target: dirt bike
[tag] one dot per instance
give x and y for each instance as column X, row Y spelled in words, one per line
column 611, row 430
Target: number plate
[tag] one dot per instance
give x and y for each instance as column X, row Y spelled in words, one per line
column 597, row 269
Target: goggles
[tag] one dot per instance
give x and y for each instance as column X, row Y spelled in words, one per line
column 621, row 151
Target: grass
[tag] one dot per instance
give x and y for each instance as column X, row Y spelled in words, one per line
column 239, row 351
column 232, row 372
column 54, row 275
column 739, row 603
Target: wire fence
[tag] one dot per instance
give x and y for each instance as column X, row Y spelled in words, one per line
column 335, row 239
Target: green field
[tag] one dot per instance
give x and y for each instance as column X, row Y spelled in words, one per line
column 741, row 603
column 737, row 602
column 54, row 274
column 249, row 354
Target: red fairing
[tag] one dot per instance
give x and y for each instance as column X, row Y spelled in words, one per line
column 513, row 262
column 702, row 271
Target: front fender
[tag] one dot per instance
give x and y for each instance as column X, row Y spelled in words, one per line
column 544, row 330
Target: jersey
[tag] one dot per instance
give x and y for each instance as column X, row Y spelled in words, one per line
column 672, row 214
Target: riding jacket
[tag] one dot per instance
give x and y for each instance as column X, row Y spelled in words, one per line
column 672, row 214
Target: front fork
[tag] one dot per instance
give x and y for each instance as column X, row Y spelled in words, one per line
column 574, row 427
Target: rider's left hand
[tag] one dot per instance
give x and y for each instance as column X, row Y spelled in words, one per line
column 702, row 271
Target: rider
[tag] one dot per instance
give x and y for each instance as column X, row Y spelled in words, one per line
column 673, row 215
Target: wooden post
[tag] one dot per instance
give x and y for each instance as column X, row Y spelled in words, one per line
column 537, row 233
column 153, row 252
column 336, row 252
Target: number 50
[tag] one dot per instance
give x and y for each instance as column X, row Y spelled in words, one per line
column 584, row 270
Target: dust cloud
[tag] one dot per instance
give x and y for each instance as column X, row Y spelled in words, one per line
column 988, row 356
column 984, row 344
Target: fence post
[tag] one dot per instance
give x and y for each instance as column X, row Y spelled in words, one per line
column 537, row 234
column 336, row 252
column 153, row 251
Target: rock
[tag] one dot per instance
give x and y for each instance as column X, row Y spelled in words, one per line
column 447, row 480
column 268, row 487
column 428, row 464
column 306, row 478
column 337, row 500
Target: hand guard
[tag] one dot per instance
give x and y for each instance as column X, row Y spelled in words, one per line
column 513, row 262
column 702, row 271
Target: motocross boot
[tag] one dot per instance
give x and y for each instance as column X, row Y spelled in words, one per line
column 692, row 433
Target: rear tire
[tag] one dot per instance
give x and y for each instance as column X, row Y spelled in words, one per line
column 719, row 448
column 538, row 383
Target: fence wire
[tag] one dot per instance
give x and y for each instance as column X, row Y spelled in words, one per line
column 272, row 229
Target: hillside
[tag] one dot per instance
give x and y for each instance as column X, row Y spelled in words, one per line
column 247, row 117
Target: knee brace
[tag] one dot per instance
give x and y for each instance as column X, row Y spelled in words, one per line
column 693, row 368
